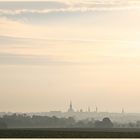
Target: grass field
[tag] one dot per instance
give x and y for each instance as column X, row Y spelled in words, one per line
column 70, row 133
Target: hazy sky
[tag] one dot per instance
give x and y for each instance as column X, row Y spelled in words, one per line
column 87, row 51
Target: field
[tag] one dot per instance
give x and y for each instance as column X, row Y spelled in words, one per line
column 70, row 133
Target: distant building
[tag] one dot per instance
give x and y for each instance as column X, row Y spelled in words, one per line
column 122, row 111
column 81, row 110
column 96, row 114
column 70, row 110
column 96, row 109
column 88, row 109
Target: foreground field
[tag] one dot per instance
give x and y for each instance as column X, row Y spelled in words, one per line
column 70, row 133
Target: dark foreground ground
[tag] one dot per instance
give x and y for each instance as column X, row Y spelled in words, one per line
column 70, row 133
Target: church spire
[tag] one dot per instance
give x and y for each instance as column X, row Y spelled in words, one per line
column 122, row 110
column 70, row 104
column 96, row 109
column 88, row 109
column 70, row 107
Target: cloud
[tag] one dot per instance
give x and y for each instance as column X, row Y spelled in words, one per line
column 18, row 59
column 46, row 12
column 14, row 59
column 16, row 8
column 28, row 51
column 32, row 5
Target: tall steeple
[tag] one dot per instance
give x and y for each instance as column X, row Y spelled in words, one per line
column 122, row 110
column 96, row 109
column 70, row 107
column 88, row 109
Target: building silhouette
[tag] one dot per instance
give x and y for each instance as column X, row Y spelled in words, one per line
column 70, row 110
column 88, row 109
column 122, row 110
column 96, row 109
column 93, row 114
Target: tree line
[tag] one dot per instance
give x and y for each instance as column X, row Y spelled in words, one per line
column 36, row 121
column 25, row 121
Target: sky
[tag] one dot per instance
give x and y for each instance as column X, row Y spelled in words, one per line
column 54, row 51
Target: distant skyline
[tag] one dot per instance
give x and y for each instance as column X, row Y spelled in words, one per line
column 87, row 51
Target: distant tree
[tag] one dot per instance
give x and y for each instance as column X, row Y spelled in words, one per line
column 105, row 123
column 131, row 125
column 90, row 124
column 80, row 124
column 3, row 125
column 71, row 120
column 138, row 124
column 98, row 124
